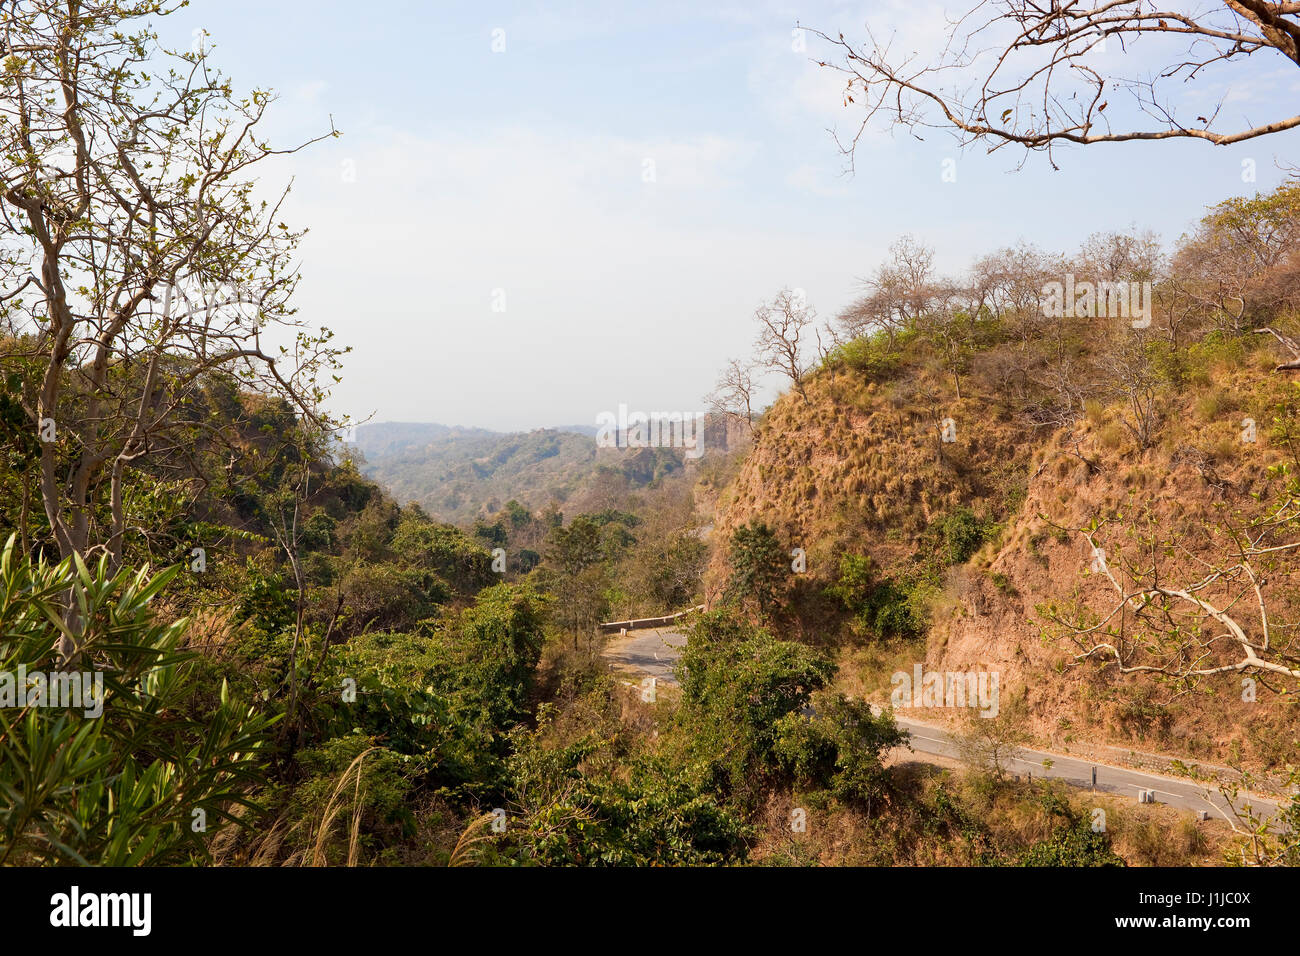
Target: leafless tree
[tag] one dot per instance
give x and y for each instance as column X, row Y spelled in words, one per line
column 875, row 311
column 1185, row 624
column 783, row 325
column 911, row 263
column 1128, row 362
column 895, row 294
column 1029, row 72
column 1009, row 283
column 989, row 744
column 947, row 323
column 734, row 395
column 1121, row 257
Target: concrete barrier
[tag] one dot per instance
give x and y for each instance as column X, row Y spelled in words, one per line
column 614, row 627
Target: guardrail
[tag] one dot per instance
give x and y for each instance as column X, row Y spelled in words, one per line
column 614, row 627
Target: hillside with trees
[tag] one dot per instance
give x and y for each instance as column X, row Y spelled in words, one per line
column 462, row 475
column 1101, row 509
column 298, row 657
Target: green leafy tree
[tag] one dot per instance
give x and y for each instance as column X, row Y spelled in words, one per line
column 880, row 604
column 738, row 683
column 840, row 747
column 758, row 566
column 444, row 549
column 574, row 555
column 137, row 261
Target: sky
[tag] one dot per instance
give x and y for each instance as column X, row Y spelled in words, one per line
column 540, row 211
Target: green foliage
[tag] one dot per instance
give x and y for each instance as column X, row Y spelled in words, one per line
column 1217, row 347
column 574, row 557
column 443, row 549
column 493, row 535
column 517, row 515
column 676, row 565
column 873, row 356
column 1169, row 364
column 647, row 812
column 346, row 486
column 758, row 566
column 121, row 787
column 738, row 682
column 319, row 532
column 963, row 533
column 266, row 605
column 20, row 453
column 384, row 597
column 1072, row 843
column 577, row 547
column 449, row 698
column 378, row 795
column 368, row 535
column 616, row 532
column 396, row 697
column 882, row 606
column 500, row 643
column 839, row 749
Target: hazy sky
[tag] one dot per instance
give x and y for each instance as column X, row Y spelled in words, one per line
column 465, row 174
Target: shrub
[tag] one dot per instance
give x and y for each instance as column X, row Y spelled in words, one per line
column 963, row 533
column 1110, row 436
column 840, row 748
column 870, row 355
column 881, row 605
column 450, row 697
column 578, row 811
column 355, row 797
column 385, row 597
column 1072, row 843
column 1210, row 405
column 123, row 787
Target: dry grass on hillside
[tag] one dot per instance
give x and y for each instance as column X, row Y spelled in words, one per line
column 860, row 469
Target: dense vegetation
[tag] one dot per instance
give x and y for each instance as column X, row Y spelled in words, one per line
column 299, row 669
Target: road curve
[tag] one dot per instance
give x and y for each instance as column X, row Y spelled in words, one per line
column 1176, row 792
column 653, row 652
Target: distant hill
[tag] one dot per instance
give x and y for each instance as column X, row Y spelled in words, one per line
column 384, row 439
column 588, row 430
column 460, row 474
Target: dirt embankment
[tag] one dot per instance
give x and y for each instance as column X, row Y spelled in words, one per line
column 862, row 469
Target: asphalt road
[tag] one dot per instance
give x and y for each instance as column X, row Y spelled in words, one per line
column 1176, row 792
column 654, row 653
